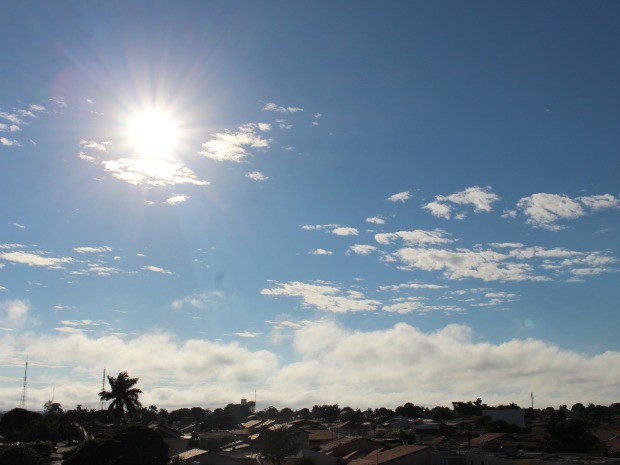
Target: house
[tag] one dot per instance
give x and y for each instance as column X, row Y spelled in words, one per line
column 350, row 428
column 494, row 442
column 349, row 448
column 177, row 442
column 204, row 457
column 401, row 455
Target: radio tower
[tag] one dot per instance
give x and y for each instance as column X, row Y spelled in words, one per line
column 23, row 403
column 102, row 387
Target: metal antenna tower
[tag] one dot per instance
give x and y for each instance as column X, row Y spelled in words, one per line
column 532, row 395
column 102, row 387
column 23, row 403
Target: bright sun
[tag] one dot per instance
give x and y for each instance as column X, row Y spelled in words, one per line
column 153, row 134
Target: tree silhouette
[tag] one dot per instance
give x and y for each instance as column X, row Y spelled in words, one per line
column 123, row 394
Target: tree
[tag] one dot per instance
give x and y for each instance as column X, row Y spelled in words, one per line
column 277, row 444
column 123, row 394
column 569, row 436
column 135, row 445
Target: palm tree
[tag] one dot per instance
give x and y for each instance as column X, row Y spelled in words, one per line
column 123, row 394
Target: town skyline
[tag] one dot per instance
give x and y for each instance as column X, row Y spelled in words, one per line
column 350, row 203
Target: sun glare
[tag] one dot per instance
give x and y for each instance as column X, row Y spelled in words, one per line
column 153, row 134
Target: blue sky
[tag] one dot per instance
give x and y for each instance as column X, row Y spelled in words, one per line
column 362, row 203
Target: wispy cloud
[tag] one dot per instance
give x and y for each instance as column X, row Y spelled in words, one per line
column 37, row 259
column 201, row 301
column 415, row 237
column 156, row 173
column 156, row 269
column 233, row 146
column 334, row 229
column 256, row 176
column 323, row 295
column 481, row 198
column 546, row 210
column 17, row 225
column 101, row 249
column 280, row 109
column 91, row 144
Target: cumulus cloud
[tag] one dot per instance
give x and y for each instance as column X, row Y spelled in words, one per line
column 256, row 176
column 481, row 198
column 345, row 231
column 234, row 146
column 280, row 109
column 323, row 295
column 328, row 363
column 399, row 197
column 544, row 210
column 226, row 367
column 516, row 264
column 175, row 199
column 248, row 334
column 362, row 249
column 375, row 220
column 415, row 237
column 13, row 313
column 9, row 142
column 321, row 252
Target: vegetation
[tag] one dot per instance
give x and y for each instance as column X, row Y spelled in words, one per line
column 123, row 394
column 134, row 445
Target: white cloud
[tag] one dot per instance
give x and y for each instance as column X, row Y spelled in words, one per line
column 175, row 199
column 599, row 202
column 362, row 249
column 233, row 146
column 328, row 364
column 487, row 265
column 481, row 198
column 200, row 301
column 398, row 287
column 400, row 197
column 156, row 173
column 37, row 108
column 375, row 220
column 9, row 142
column 156, row 269
column 321, row 252
column 323, row 296
column 12, row 118
column 546, row 210
column 101, row 249
column 335, row 229
column 13, row 313
column 517, row 264
column 91, row 144
column 17, row 225
column 415, row 237
column 256, row 176
column 345, row 231
column 35, row 259
column 248, row 335
column 279, row 109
